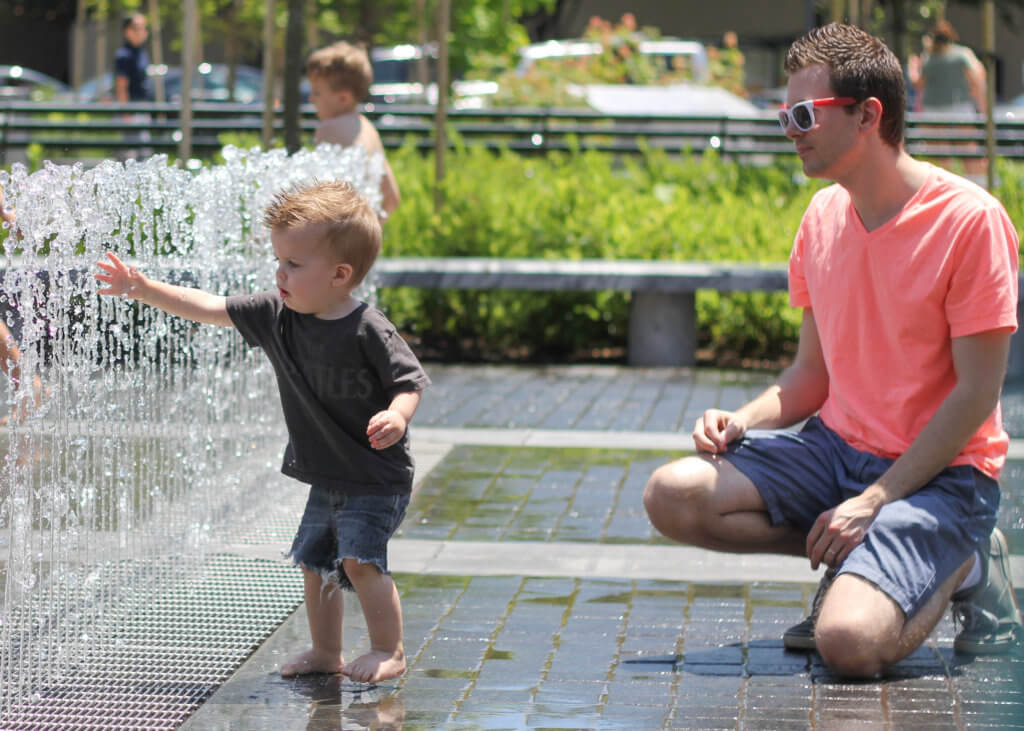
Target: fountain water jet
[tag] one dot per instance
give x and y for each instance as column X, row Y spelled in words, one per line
column 153, row 427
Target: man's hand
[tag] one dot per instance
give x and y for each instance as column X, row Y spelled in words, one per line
column 120, row 278
column 385, row 429
column 838, row 531
column 716, row 429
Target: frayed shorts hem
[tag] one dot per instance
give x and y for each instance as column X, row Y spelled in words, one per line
column 336, row 527
column 336, row 575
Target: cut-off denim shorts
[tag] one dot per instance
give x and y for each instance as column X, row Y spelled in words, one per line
column 913, row 545
column 336, row 526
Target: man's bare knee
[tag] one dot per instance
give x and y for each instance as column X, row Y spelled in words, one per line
column 676, row 496
column 858, row 628
column 849, row 650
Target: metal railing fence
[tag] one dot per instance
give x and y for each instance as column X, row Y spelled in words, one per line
column 70, row 131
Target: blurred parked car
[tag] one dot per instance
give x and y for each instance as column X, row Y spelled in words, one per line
column 25, row 84
column 396, row 78
column 685, row 100
column 1012, row 110
column 209, row 84
column 668, row 65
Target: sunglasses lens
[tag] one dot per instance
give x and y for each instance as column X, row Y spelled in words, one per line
column 784, row 119
column 803, row 117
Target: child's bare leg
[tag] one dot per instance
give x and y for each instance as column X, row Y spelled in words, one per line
column 325, row 609
column 383, row 612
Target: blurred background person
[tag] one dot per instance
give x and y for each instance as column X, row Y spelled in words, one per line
column 131, row 82
column 952, row 79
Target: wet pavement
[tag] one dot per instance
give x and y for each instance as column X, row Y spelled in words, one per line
column 536, row 595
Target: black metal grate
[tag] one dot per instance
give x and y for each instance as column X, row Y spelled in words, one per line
column 158, row 654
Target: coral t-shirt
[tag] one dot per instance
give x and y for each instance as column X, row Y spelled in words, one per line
column 888, row 302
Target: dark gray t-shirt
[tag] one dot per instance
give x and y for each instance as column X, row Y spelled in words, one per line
column 333, row 375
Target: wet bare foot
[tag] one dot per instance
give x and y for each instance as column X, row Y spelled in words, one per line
column 375, row 666
column 312, row 661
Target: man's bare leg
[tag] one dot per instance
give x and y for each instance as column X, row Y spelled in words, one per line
column 861, row 630
column 382, row 610
column 325, row 608
column 705, row 501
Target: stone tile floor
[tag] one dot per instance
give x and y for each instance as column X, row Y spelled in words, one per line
column 593, row 648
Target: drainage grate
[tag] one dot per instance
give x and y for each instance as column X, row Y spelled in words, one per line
column 157, row 652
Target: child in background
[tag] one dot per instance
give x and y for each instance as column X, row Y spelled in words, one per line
column 349, row 386
column 340, row 76
column 10, row 355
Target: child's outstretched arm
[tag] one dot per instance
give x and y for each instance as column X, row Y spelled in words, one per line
column 387, row 427
column 192, row 304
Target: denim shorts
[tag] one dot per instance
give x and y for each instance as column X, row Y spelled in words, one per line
column 912, row 546
column 336, row 526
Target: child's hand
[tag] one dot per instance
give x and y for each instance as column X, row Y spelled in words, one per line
column 120, row 278
column 386, row 429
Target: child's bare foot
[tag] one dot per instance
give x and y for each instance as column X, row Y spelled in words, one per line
column 375, row 666
column 312, row 661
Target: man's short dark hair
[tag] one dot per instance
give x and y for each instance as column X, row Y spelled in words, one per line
column 860, row 66
column 127, row 21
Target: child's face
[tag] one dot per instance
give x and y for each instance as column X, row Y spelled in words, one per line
column 329, row 102
column 310, row 278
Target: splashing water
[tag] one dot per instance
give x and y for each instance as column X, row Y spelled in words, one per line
column 150, row 425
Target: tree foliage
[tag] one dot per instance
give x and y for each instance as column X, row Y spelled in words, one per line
column 476, row 25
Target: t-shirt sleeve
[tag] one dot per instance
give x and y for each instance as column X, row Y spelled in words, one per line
column 123, row 65
column 255, row 315
column 391, row 357
column 983, row 287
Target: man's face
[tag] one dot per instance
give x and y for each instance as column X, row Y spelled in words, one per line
column 137, row 31
column 825, row 147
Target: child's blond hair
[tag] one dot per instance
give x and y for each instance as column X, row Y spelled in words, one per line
column 343, row 66
column 343, row 218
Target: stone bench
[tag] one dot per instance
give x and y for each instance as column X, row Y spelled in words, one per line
column 662, row 316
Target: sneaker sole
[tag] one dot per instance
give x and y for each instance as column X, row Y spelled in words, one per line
column 1007, row 640
column 801, row 643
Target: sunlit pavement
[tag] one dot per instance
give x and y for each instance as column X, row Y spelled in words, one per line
column 536, row 595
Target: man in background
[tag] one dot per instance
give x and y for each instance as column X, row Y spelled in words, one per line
column 131, row 83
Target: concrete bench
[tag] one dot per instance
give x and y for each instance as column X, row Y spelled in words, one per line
column 662, row 316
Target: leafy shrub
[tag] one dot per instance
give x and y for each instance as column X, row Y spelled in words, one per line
column 589, row 205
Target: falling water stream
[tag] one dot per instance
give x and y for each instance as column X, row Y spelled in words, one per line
column 150, row 426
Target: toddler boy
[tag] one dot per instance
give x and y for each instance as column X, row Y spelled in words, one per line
column 349, row 386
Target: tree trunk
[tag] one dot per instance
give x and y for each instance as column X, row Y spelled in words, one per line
column 232, row 43
column 312, row 27
column 367, row 21
column 78, row 69
column 441, row 112
column 102, row 28
column 189, row 26
column 899, row 30
column 293, row 55
column 421, row 38
column 269, row 72
column 156, row 43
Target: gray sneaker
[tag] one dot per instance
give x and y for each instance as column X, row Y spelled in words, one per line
column 801, row 635
column 988, row 615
